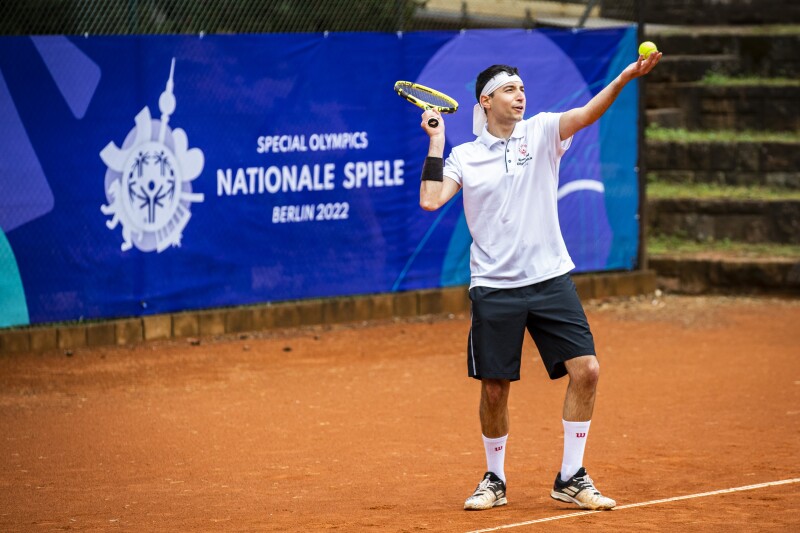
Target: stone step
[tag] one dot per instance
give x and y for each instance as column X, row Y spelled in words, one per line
column 666, row 117
column 730, row 107
column 675, row 68
column 750, row 221
column 711, row 12
column 770, row 163
column 759, row 51
column 715, row 273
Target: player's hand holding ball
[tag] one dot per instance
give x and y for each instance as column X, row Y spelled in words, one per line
column 649, row 56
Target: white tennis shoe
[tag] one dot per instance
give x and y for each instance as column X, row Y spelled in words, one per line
column 490, row 492
column 580, row 490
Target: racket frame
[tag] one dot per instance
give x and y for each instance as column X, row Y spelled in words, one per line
column 400, row 86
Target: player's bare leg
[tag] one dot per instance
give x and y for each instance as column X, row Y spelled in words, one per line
column 491, row 491
column 584, row 373
column 573, row 484
column 494, row 407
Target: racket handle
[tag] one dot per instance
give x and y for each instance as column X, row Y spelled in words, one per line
column 433, row 122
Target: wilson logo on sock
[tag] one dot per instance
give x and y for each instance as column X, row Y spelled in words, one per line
column 498, row 449
column 580, row 435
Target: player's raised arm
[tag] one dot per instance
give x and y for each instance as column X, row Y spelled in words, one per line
column 434, row 190
column 576, row 119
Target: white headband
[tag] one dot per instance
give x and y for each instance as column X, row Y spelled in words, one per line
column 478, row 114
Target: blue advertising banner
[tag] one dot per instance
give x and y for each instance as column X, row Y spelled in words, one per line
column 151, row 174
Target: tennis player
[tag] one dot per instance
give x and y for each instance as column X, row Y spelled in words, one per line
column 519, row 265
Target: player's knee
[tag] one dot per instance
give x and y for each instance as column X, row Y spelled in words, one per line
column 586, row 373
column 494, row 393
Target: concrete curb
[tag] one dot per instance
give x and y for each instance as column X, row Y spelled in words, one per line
column 448, row 300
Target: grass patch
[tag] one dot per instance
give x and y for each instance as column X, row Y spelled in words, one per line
column 660, row 189
column 655, row 132
column 721, row 80
column 661, row 245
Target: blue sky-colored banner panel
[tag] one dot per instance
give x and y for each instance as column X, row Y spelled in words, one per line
column 151, row 174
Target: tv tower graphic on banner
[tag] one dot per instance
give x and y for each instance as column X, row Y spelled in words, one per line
column 148, row 181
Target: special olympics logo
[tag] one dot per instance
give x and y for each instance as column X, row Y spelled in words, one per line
column 148, row 181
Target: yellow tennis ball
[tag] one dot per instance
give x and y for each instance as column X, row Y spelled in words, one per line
column 647, row 48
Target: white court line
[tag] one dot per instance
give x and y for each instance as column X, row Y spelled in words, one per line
column 643, row 504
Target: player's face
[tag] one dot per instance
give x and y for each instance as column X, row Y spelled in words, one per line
column 508, row 102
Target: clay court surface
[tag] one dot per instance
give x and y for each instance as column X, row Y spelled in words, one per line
column 373, row 427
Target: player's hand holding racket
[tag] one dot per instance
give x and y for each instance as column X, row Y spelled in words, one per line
column 432, row 101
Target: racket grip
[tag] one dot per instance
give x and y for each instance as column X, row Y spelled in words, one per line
column 433, row 122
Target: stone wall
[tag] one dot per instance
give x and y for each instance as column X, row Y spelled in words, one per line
column 775, row 164
column 758, row 53
column 698, row 275
column 752, row 221
column 750, row 107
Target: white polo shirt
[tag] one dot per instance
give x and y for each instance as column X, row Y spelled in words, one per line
column 510, row 192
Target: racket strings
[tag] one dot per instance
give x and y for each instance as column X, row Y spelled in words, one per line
column 428, row 98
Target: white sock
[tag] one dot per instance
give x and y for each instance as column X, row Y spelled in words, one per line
column 575, row 434
column 496, row 455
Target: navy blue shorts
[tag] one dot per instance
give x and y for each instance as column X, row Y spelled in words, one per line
column 551, row 312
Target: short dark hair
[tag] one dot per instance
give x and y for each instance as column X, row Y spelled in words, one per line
column 488, row 74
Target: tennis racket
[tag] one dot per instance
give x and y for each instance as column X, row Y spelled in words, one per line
column 426, row 98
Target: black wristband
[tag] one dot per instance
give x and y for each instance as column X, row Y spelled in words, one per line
column 432, row 169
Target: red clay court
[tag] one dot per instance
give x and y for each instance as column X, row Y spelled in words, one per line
column 373, row 427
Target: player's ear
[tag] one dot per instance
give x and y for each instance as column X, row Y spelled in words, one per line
column 486, row 102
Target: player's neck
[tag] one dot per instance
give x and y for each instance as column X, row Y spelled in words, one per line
column 501, row 130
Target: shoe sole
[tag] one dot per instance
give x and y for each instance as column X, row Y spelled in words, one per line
column 496, row 503
column 560, row 496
